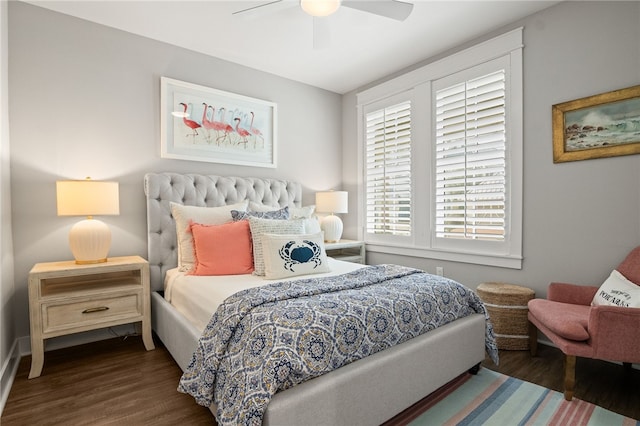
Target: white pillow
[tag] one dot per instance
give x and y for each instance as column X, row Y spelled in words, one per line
column 305, row 212
column 257, row 207
column 617, row 291
column 259, row 227
column 292, row 255
column 183, row 215
column 311, row 223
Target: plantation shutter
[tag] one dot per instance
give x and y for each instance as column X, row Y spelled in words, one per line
column 388, row 170
column 470, row 159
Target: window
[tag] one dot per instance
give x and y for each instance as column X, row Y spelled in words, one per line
column 388, row 170
column 441, row 155
column 470, row 148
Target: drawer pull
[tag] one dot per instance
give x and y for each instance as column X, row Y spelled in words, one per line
column 97, row 309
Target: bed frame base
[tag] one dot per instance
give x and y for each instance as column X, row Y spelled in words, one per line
column 373, row 390
column 365, row 392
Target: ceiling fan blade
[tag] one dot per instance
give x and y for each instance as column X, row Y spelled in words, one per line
column 321, row 33
column 393, row 9
column 261, row 9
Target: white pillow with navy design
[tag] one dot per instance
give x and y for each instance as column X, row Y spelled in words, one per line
column 617, row 290
column 260, row 227
column 294, row 255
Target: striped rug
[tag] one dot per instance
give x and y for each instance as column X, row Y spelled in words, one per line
column 491, row 398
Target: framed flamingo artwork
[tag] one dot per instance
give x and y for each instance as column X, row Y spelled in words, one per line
column 200, row 123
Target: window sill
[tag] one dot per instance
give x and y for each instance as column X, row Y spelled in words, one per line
column 501, row 261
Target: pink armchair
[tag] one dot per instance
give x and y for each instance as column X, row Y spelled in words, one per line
column 567, row 318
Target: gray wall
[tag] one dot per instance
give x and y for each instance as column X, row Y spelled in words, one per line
column 7, row 289
column 580, row 218
column 85, row 101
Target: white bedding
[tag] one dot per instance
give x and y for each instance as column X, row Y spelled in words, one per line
column 198, row 297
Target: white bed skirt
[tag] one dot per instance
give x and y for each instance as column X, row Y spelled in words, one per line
column 365, row 392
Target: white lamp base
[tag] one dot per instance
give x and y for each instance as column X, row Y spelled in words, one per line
column 90, row 240
column 332, row 227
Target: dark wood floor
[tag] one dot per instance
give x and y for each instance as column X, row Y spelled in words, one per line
column 112, row 382
column 117, row 382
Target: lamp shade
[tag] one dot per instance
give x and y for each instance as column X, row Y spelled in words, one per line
column 87, row 198
column 332, row 202
column 89, row 239
column 320, row 7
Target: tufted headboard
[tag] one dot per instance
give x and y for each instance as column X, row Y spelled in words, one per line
column 205, row 191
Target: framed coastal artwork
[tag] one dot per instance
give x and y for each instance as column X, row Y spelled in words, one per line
column 200, row 123
column 604, row 125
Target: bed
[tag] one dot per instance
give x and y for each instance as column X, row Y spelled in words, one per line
column 367, row 391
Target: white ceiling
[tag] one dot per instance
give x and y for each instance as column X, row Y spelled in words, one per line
column 363, row 47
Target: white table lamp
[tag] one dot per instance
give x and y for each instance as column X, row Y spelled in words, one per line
column 332, row 202
column 89, row 239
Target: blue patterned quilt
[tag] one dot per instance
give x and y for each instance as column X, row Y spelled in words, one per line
column 266, row 339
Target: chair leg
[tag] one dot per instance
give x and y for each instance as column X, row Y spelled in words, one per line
column 533, row 339
column 569, row 376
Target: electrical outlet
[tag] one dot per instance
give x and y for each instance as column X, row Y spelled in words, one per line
column 440, row 271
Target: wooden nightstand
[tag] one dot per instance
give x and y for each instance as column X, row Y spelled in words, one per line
column 67, row 298
column 347, row 250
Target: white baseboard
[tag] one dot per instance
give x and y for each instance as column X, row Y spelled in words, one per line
column 8, row 374
column 80, row 338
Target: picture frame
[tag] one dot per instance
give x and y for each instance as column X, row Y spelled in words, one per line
column 604, row 125
column 200, row 123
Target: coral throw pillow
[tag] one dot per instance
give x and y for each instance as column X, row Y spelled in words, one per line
column 222, row 249
column 184, row 215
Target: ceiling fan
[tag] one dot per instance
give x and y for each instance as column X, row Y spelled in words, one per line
column 394, row 9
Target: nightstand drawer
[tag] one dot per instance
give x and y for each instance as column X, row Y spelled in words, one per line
column 90, row 312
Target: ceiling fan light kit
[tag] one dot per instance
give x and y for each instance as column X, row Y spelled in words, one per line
column 398, row 10
column 320, row 8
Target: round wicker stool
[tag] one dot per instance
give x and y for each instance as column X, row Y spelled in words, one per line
column 507, row 307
